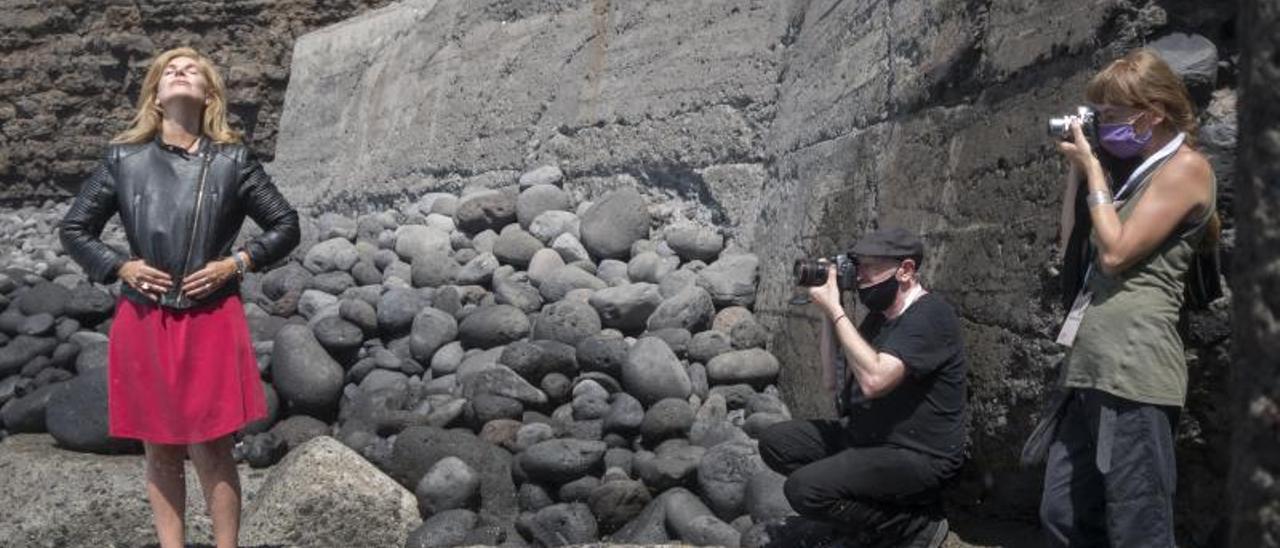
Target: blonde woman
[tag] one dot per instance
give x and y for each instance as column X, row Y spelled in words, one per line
column 182, row 374
column 1110, row 473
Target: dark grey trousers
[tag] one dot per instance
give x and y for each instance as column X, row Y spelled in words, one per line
column 880, row 492
column 1110, row 474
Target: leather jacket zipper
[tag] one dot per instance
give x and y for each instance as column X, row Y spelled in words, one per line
column 195, row 224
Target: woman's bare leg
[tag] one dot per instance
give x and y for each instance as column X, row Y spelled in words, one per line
column 221, row 484
column 167, row 491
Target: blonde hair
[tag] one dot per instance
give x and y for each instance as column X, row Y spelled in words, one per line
column 1144, row 81
column 146, row 122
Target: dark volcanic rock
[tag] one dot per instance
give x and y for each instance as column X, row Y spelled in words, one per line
column 652, row 372
column 567, row 322
column 690, row 309
column 615, row 222
column 492, row 326
column 562, row 460
column 76, row 416
column 304, row 373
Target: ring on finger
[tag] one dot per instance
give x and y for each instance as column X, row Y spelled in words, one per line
column 144, row 286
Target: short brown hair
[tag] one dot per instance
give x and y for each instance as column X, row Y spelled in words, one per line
column 1144, row 81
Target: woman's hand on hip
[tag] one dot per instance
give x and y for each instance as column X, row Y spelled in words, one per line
column 147, row 280
column 205, row 281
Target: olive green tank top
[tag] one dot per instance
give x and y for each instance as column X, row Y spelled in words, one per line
column 1128, row 343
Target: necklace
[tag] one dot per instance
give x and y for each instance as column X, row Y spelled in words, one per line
column 188, row 145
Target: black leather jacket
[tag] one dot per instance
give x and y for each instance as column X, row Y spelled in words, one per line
column 179, row 211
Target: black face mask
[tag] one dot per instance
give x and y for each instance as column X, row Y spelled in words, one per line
column 879, row 297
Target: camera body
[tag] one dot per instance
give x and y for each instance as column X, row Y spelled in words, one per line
column 813, row 272
column 1060, row 126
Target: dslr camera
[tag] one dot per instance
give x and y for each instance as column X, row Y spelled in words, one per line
column 813, row 272
column 1060, row 126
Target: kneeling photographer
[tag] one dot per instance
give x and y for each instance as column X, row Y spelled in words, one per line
column 876, row 473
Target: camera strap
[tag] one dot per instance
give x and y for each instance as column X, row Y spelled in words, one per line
column 1067, row 335
column 1131, row 185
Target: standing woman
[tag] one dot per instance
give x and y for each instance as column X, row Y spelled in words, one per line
column 182, row 373
column 1110, row 474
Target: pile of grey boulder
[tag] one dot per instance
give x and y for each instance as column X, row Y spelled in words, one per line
column 536, row 371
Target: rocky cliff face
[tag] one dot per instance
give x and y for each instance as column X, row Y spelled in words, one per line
column 71, row 72
column 795, row 126
column 1256, row 413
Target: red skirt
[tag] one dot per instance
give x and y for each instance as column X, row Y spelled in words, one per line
column 181, row 376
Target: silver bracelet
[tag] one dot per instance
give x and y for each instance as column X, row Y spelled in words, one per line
column 1097, row 198
column 240, row 266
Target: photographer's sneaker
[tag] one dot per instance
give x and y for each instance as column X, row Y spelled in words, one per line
column 932, row 535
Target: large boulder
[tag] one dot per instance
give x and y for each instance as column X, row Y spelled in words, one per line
column 537, row 199
column 732, row 280
column 485, row 210
column 603, row 353
column 615, row 503
column 89, row 305
column 568, row 322
column 562, row 460
column 691, row 309
column 693, row 242
column 561, row 525
column 626, row 308
column 567, row 278
column 432, row 329
column 335, row 254
column 324, row 494
column 491, row 326
column 44, row 297
column 397, row 308
column 723, row 476
column 613, row 223
column 447, row 528
column 304, row 373
column 433, row 269
column 77, row 416
column 413, row 241
column 652, row 372
column 551, row 224
column 418, row 448
column 450, row 484
column 27, row 414
column 755, row 366
column 516, row 247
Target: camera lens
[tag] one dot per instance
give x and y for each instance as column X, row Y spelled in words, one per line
column 1060, row 127
column 809, row 272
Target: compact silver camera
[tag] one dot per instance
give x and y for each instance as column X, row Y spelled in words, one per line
column 1060, row 127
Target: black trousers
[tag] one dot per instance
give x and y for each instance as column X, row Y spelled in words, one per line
column 1110, row 474
column 885, row 492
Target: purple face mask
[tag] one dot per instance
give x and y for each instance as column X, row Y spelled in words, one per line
column 1121, row 140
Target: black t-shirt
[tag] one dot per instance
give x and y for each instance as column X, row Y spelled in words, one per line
column 926, row 411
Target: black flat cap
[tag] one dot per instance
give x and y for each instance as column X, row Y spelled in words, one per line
column 889, row 242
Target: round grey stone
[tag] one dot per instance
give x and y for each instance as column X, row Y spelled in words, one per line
column 652, row 372
column 491, row 326
column 614, row 222
column 691, row 309
column 756, row 367
column 568, row 322
column 538, row 199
